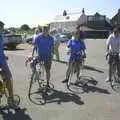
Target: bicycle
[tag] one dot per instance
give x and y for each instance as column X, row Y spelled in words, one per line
column 38, row 78
column 74, row 72
column 4, row 92
column 115, row 71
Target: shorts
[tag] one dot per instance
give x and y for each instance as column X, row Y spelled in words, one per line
column 113, row 58
column 48, row 64
column 6, row 71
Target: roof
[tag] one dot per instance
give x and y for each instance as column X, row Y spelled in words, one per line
column 68, row 18
column 1, row 23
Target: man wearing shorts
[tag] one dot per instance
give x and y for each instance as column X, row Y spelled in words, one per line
column 43, row 45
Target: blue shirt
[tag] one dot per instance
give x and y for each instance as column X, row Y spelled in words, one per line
column 44, row 45
column 76, row 48
column 2, row 56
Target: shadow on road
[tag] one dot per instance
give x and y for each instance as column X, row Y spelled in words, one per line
column 92, row 69
column 60, row 61
column 60, row 97
column 55, row 96
column 85, row 66
column 17, row 49
column 86, row 84
column 18, row 114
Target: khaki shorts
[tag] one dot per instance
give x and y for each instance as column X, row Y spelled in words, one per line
column 48, row 64
column 6, row 71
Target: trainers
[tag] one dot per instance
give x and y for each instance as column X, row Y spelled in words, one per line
column 65, row 81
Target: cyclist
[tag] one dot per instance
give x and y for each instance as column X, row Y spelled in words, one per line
column 43, row 45
column 77, row 51
column 113, row 46
column 5, row 68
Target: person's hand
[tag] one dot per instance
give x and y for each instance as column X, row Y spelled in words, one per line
column 106, row 55
column 6, row 57
column 84, row 56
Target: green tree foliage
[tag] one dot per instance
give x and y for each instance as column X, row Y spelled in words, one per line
column 25, row 27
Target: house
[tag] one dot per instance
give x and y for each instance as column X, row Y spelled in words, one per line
column 65, row 22
column 97, row 23
column 115, row 21
column 1, row 25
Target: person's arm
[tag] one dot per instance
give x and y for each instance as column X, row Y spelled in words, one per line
column 69, row 43
column 83, row 48
column 69, row 47
column 52, row 39
column 35, row 46
column 108, row 43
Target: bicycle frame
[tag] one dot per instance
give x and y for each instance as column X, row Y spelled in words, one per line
column 75, row 67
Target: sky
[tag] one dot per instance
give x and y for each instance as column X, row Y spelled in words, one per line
column 15, row 13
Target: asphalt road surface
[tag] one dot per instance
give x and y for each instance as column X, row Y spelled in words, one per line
column 97, row 102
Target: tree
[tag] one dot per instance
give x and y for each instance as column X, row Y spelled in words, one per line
column 25, row 27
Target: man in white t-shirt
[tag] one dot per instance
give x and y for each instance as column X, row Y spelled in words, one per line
column 56, row 38
column 113, row 46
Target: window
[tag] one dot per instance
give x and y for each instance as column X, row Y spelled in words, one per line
column 90, row 18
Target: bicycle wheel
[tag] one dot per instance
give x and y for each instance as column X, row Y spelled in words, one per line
column 73, row 79
column 31, row 82
column 115, row 80
column 115, row 83
column 36, row 90
column 16, row 100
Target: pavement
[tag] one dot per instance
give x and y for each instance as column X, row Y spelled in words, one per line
column 97, row 102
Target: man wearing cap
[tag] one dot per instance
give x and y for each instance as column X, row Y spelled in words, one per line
column 113, row 46
column 43, row 45
column 56, row 37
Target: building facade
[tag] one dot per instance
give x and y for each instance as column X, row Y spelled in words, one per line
column 115, row 21
column 89, row 23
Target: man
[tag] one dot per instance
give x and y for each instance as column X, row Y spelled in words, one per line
column 56, row 38
column 5, row 68
column 43, row 45
column 113, row 46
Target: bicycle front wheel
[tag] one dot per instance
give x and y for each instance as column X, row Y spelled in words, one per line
column 36, row 93
column 73, row 78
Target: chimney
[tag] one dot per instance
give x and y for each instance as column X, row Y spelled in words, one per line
column 118, row 10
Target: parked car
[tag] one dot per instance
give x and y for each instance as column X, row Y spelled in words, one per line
column 29, row 39
column 12, row 40
column 63, row 38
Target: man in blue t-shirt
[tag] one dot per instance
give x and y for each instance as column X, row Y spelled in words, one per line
column 5, row 69
column 43, row 45
column 76, row 53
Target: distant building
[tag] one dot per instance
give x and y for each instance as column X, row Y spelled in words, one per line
column 1, row 24
column 69, row 22
column 115, row 21
column 98, row 22
column 65, row 22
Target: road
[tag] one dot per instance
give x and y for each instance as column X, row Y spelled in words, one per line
column 98, row 102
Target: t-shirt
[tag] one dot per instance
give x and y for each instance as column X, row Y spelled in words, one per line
column 2, row 56
column 56, row 39
column 44, row 45
column 75, row 48
column 114, row 43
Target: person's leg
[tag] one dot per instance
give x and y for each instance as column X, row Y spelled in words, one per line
column 8, row 79
column 47, row 69
column 110, row 61
column 68, row 72
column 57, row 53
column 78, row 69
